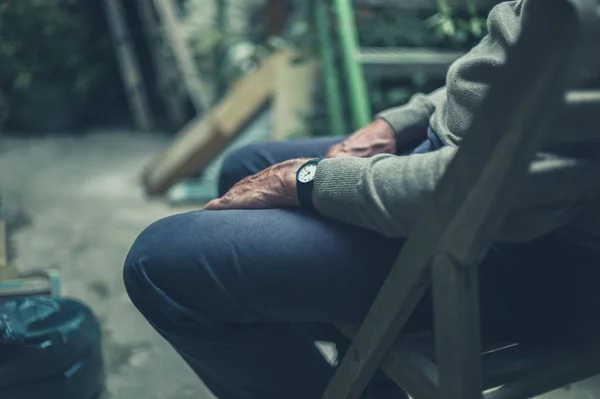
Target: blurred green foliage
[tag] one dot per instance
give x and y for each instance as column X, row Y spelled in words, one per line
column 444, row 27
column 42, row 40
column 51, row 48
column 379, row 26
column 458, row 29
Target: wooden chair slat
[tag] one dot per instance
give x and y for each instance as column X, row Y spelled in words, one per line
column 549, row 368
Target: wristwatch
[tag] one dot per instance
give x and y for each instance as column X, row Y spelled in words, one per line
column 304, row 183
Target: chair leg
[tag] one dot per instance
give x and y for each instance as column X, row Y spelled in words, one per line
column 458, row 339
column 403, row 289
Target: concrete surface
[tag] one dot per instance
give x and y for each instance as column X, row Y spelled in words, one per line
column 80, row 208
column 85, row 208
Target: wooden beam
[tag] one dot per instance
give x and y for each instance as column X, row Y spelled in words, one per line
column 7, row 272
column 200, row 141
column 130, row 71
column 25, row 287
column 423, row 5
column 183, row 56
column 405, row 62
column 294, row 78
column 168, row 79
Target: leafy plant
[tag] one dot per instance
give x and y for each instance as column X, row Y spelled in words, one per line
column 457, row 30
column 48, row 41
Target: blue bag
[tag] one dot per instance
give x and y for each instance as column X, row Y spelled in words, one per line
column 49, row 349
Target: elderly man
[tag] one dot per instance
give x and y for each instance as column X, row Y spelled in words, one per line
column 243, row 288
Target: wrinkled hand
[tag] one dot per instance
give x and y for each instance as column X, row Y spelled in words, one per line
column 274, row 187
column 378, row 137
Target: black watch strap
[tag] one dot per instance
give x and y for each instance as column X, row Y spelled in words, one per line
column 305, row 190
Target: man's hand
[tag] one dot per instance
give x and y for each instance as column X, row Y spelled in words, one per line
column 378, row 137
column 274, row 187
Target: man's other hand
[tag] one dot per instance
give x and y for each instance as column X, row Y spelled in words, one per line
column 378, row 137
column 274, row 187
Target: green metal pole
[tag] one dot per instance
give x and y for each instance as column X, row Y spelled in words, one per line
column 333, row 97
column 348, row 36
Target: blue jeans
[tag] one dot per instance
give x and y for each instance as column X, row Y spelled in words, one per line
column 243, row 294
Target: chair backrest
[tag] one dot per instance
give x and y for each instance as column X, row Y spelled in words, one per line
column 473, row 199
column 516, row 120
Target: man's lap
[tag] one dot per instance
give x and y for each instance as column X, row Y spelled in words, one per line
column 240, row 266
column 245, row 266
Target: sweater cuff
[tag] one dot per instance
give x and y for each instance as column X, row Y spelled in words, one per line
column 393, row 117
column 337, row 186
column 410, row 129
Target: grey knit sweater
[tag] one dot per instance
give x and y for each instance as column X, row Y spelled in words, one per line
column 385, row 192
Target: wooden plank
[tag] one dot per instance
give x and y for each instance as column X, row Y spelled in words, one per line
column 7, row 272
column 405, row 62
column 33, row 286
column 294, row 79
column 185, row 61
column 473, row 197
column 424, row 5
column 201, row 139
column 400, row 56
column 167, row 76
column 130, row 71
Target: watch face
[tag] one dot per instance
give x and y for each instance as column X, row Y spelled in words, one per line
column 307, row 173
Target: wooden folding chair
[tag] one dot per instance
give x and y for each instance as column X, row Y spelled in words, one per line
column 460, row 222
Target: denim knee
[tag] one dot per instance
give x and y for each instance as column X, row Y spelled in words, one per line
column 159, row 268
column 139, row 286
column 157, row 261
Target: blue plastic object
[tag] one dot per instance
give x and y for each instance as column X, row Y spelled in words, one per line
column 49, row 348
